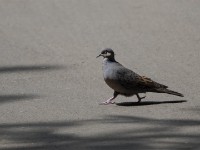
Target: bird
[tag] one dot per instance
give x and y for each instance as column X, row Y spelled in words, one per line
column 126, row 82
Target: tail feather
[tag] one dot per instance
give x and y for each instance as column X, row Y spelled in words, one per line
column 169, row 92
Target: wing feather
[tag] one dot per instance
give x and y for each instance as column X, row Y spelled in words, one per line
column 130, row 80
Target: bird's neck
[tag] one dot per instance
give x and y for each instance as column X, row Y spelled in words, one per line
column 112, row 59
column 107, row 62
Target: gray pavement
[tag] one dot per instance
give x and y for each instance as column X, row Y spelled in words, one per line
column 51, row 82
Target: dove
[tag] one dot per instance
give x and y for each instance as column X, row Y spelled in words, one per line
column 126, row 82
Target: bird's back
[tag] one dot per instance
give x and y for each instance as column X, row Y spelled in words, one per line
column 126, row 81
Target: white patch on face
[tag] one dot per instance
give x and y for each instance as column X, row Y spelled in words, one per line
column 108, row 54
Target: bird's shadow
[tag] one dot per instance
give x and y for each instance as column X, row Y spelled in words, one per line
column 144, row 103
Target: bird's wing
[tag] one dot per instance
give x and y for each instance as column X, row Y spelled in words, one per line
column 147, row 82
column 131, row 80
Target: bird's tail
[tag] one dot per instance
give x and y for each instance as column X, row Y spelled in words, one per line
column 163, row 90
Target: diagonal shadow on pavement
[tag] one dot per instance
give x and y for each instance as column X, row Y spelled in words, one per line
column 16, row 97
column 29, row 68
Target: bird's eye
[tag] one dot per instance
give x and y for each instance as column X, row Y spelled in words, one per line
column 105, row 52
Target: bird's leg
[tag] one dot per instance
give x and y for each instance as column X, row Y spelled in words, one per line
column 109, row 101
column 140, row 98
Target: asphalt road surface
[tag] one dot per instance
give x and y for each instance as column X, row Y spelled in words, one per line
column 51, row 83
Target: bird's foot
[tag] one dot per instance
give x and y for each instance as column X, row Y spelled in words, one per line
column 140, row 98
column 143, row 97
column 110, row 100
column 107, row 102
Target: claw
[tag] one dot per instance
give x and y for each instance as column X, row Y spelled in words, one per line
column 143, row 97
column 140, row 98
column 110, row 100
column 106, row 103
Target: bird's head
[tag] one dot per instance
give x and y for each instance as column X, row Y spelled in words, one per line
column 107, row 53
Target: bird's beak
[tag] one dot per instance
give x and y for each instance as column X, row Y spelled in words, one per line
column 99, row 55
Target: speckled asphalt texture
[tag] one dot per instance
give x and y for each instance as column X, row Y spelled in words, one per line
column 51, row 82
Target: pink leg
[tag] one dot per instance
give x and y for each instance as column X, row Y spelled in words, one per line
column 109, row 101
